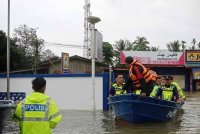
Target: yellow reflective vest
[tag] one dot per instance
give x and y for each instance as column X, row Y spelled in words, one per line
column 118, row 89
column 167, row 93
column 155, row 90
column 138, row 92
column 180, row 91
column 37, row 114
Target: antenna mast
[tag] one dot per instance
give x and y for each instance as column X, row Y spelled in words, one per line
column 86, row 29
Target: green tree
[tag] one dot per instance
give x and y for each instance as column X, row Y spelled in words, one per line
column 16, row 58
column 107, row 53
column 47, row 54
column 183, row 45
column 198, row 45
column 121, row 45
column 37, row 45
column 193, row 44
column 175, row 46
column 30, row 44
column 24, row 37
column 141, row 44
column 154, row 48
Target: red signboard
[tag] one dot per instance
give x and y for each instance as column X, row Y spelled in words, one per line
column 155, row 57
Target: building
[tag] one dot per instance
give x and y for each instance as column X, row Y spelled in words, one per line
column 183, row 66
column 77, row 64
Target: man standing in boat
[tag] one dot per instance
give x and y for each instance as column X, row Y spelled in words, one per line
column 139, row 77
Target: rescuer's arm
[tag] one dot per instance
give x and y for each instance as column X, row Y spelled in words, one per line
column 55, row 116
column 175, row 94
column 180, row 92
column 16, row 116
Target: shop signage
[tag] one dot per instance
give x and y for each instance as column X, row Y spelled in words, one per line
column 192, row 58
column 155, row 57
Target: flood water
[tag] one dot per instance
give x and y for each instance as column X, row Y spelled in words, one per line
column 186, row 121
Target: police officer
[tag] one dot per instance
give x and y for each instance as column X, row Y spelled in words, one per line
column 156, row 87
column 37, row 113
column 168, row 92
column 117, row 86
column 139, row 76
column 180, row 91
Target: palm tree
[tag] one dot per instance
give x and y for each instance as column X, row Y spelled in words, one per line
column 193, row 43
column 124, row 45
column 175, row 46
column 198, row 45
column 121, row 45
column 183, row 46
column 141, row 44
column 154, row 48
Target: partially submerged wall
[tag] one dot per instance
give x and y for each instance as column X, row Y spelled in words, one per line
column 72, row 91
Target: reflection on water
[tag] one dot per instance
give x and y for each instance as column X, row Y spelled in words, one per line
column 187, row 120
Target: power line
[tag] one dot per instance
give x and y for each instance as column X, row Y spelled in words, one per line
column 64, row 45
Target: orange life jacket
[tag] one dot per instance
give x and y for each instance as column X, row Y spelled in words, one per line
column 146, row 74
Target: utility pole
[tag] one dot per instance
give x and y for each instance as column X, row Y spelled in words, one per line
column 93, row 20
column 36, row 55
column 8, row 53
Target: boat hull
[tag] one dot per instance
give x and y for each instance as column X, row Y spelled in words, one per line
column 135, row 109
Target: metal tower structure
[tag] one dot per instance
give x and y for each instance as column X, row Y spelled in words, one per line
column 86, row 29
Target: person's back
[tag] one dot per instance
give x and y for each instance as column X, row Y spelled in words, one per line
column 139, row 76
column 37, row 113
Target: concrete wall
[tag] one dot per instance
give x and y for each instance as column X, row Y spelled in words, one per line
column 68, row 92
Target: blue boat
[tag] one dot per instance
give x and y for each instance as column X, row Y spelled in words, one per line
column 135, row 109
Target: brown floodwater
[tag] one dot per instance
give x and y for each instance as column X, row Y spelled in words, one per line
column 186, row 121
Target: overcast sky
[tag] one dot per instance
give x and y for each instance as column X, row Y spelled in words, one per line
column 61, row 21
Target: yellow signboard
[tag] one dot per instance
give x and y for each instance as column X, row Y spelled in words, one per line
column 196, row 75
column 193, row 56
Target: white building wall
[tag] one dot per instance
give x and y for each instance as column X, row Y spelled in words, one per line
column 73, row 93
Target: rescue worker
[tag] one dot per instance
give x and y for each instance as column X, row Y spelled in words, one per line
column 117, row 86
column 139, row 76
column 156, row 87
column 180, row 91
column 169, row 92
column 37, row 113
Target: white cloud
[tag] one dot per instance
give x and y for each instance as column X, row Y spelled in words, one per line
column 160, row 21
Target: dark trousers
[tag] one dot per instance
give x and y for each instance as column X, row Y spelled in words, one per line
column 150, row 85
